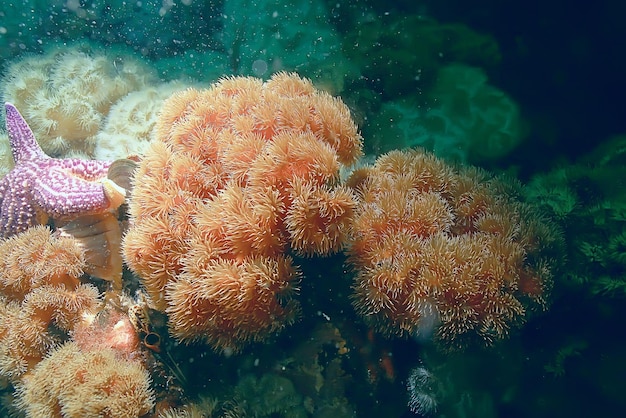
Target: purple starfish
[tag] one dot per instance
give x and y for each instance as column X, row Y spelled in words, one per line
column 40, row 187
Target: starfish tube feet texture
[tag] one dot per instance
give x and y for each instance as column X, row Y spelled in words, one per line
column 40, row 187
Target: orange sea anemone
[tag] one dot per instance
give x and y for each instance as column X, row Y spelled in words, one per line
column 154, row 251
column 445, row 251
column 42, row 298
column 28, row 329
column 35, row 258
column 242, row 223
column 71, row 382
column 23, row 340
column 318, row 218
column 61, row 306
column 227, row 303
column 239, row 175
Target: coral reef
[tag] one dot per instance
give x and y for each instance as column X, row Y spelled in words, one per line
column 445, row 251
column 239, row 196
column 240, row 174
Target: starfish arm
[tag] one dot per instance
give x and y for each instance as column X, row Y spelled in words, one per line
column 90, row 170
column 62, row 195
column 16, row 212
column 39, row 187
column 23, row 144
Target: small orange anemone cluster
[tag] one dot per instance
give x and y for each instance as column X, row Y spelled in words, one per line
column 71, row 382
column 240, row 175
column 445, row 251
column 97, row 371
column 41, row 296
